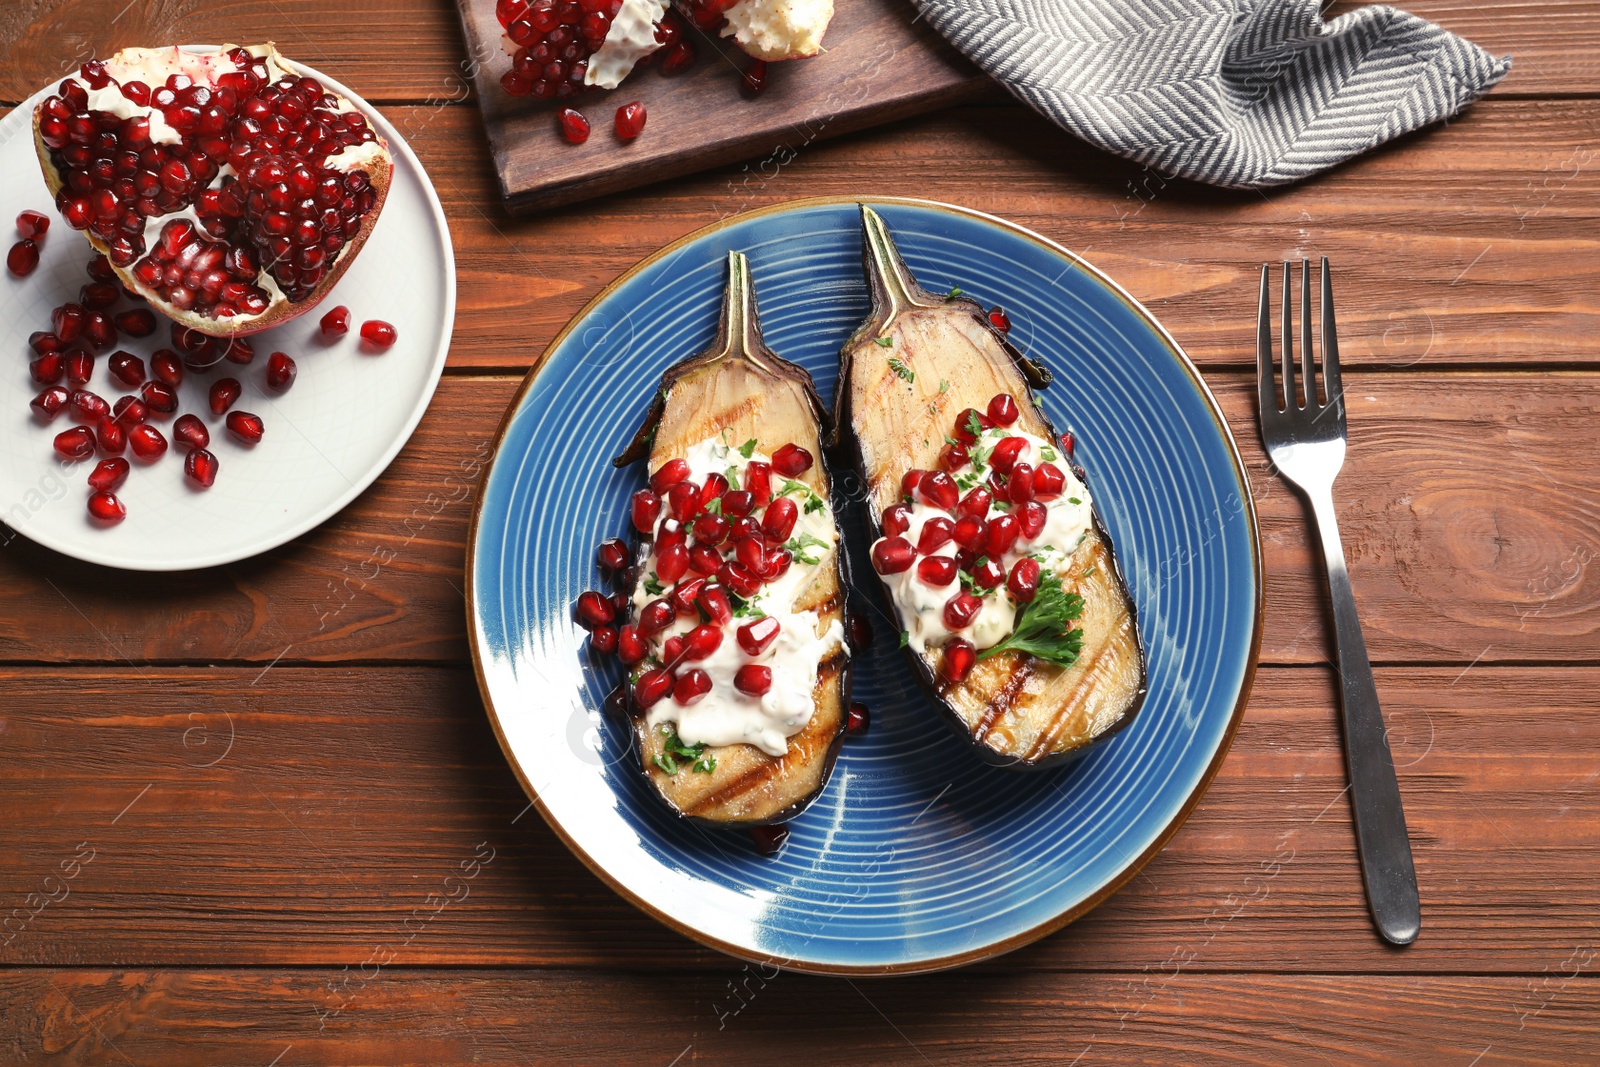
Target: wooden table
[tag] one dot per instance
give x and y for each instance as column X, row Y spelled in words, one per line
column 274, row 764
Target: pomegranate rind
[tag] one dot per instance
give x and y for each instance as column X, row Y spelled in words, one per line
column 203, row 67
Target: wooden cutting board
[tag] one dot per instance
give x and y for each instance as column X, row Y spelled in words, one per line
column 881, row 64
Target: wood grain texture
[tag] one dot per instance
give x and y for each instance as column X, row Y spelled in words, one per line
column 1472, row 536
column 880, row 64
column 302, row 816
column 401, row 1018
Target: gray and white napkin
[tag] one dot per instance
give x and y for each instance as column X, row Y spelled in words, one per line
column 1237, row 93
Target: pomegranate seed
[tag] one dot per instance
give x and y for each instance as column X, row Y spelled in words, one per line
column 975, row 503
column 167, row 367
column 939, row 489
column 778, row 522
column 1000, row 320
column 378, row 334
column 645, row 509
column 651, row 687
column 630, row 120
column 672, row 651
column 936, row 533
column 703, row 559
column 751, row 552
column 971, row 533
column 200, row 466
column 754, row 79
column 280, row 371
column 224, row 391
column 710, row 529
column 965, row 421
column 691, row 686
column 190, row 432
column 87, row 406
column 594, row 609
column 959, row 658
column 48, row 404
column 613, row 556
column 791, row 461
column 129, row 410
column 758, row 480
column 738, row 503
column 139, row 322
column 23, row 257
column 1068, row 443
column 753, row 679
column 715, row 604
column 336, row 323
column 108, row 474
column 896, row 520
column 937, row 571
column 32, row 225
column 80, row 368
column 110, row 435
column 1005, row 453
column 988, row 574
column 1003, row 409
column 1031, row 518
column 744, row 527
column 655, row 617
column 858, row 719
column 76, row 443
column 953, row 457
column 859, row 631
column 603, row 640
column 159, row 397
column 678, row 56
column 1048, row 481
column 738, row 579
column 574, row 125
column 98, row 330
column 105, row 507
column 100, row 269
column 669, row 474
column 622, row 604
column 147, row 443
column 1023, row 583
column 1003, row 532
column 48, row 369
column 631, row 648
column 769, row 840
column 238, row 350
column 756, row 637
column 97, row 296
column 683, row 500
column 672, row 563
column 909, row 482
column 891, row 555
column 960, row 610
column 702, row 642
column 715, row 486
column 45, row 343
column 127, row 368
column 1019, row 484
column 684, row 595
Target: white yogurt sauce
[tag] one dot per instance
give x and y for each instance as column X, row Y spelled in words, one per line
column 725, row 716
column 1067, row 520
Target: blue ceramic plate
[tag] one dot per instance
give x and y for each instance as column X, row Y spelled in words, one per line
column 916, row 856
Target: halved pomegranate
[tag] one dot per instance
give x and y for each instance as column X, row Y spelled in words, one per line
column 225, row 188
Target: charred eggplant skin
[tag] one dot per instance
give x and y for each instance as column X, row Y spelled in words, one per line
column 895, row 291
column 739, row 338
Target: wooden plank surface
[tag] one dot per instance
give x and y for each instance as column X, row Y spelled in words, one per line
column 298, row 816
column 1471, row 537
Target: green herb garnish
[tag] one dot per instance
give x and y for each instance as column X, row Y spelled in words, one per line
column 1073, row 500
column 900, row 369
column 748, row 449
column 953, row 293
column 1044, row 626
column 673, row 749
column 798, row 544
column 905, row 639
column 814, row 503
column 944, row 387
column 653, row 586
column 885, row 341
column 974, row 427
column 1048, row 453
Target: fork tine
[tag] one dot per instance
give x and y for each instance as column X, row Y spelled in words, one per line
column 1265, row 400
column 1308, row 375
column 1330, row 343
column 1288, row 344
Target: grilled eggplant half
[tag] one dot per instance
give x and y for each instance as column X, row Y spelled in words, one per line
column 737, row 516
column 1027, row 641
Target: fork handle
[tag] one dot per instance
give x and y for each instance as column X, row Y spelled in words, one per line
column 1380, row 820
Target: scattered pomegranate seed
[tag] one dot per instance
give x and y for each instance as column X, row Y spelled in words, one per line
column 630, row 120
column 80, row 368
column 108, row 474
column 857, row 721
column 190, row 432
column 758, row 481
column 683, row 500
column 1019, row 483
column 622, row 604
column 48, row 404
column 656, row 616
column 105, row 507
column 960, row 610
column 965, row 421
column 167, row 367
column 756, row 637
column 753, row 679
column 988, row 574
column 336, row 323
column 48, row 369
column 677, row 57
column 939, row 489
column 769, row 840
column 159, row 397
column 651, row 687
column 139, row 322
column 738, row 503
column 672, row 563
column 896, row 520
column 631, row 648
column 198, row 350
column 613, row 556
column 669, row 474
column 754, row 79
column 100, row 269
column 224, row 391
column 127, row 368
column 378, row 334
column 238, row 350
column 684, row 596
column 32, row 224
column 975, row 503
column 892, row 555
column 1000, row 320
column 959, row 658
column 23, row 257
column 1003, row 409
column 936, row 533
column 87, row 406
column 645, row 509
column 1002, row 534
column 200, row 466
column 1005, row 453
column 594, row 609
column 280, row 371
column 1048, row 481
column 715, row 486
column 937, row 571
column 1023, row 583
column 1068, row 443
column 76, row 443
column 704, row 559
column 1031, row 517
column 860, row 632
column 778, row 522
column 148, row 444
column 739, row 579
column 715, row 603
column 603, row 640
column 574, row 125
column 45, row 343
column 672, row 651
column 791, row 461
column 702, row 642
column 971, row 533
column 710, row 529
column 97, row 296
column 953, row 457
column 110, row 435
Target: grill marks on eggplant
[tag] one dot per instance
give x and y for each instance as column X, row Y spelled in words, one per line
column 1017, row 710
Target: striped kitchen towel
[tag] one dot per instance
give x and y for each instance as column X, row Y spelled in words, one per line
column 1238, row 93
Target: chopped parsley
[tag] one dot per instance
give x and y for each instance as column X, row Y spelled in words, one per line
column 885, row 341
column 748, row 449
column 673, row 750
column 953, row 293
column 968, row 480
column 969, row 583
column 746, row 609
column 715, row 507
column 944, row 387
column 1044, row 626
column 900, row 369
column 1073, row 500
column 802, row 541
column 974, row 427
column 813, row 503
column 905, row 639
column 1048, row 454
column 653, row 586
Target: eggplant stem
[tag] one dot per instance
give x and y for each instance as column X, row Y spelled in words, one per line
column 739, row 333
column 894, row 289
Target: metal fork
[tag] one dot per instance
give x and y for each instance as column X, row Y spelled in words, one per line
column 1305, row 438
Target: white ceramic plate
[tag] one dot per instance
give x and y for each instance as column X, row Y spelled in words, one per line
column 327, row 438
